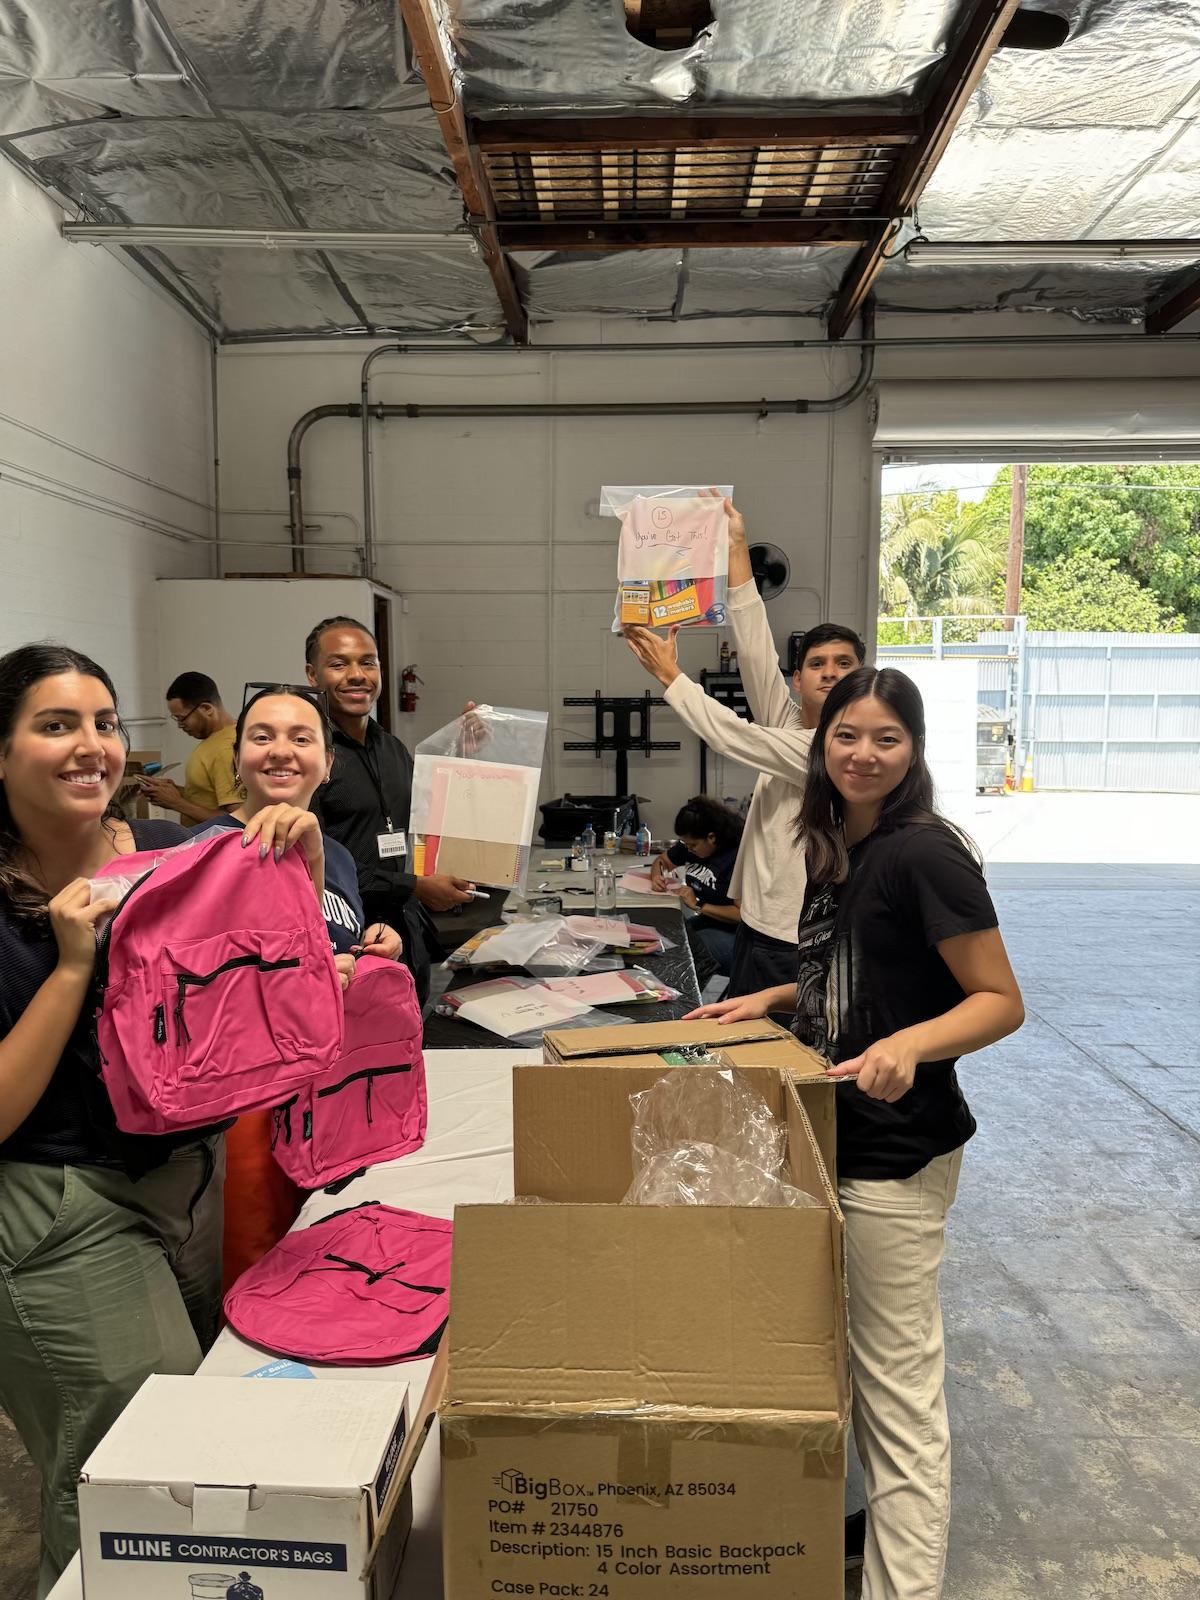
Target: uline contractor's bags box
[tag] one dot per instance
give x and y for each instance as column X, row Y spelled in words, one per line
column 747, row 1044
column 206, row 1488
column 642, row 1400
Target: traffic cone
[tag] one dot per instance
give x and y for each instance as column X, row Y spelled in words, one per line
column 1027, row 775
column 1010, row 782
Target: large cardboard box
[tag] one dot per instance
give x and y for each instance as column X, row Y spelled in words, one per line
column 642, row 1400
column 750, row 1044
column 276, row 1485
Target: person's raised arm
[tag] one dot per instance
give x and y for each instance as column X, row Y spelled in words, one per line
column 30, row 1051
column 780, row 751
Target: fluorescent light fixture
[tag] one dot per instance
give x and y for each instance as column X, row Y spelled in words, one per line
column 262, row 238
column 927, row 253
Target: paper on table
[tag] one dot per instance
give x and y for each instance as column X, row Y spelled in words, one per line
column 594, row 988
column 514, row 1010
column 606, row 930
column 637, row 881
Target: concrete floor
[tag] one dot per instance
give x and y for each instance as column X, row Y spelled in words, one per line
column 1072, row 1281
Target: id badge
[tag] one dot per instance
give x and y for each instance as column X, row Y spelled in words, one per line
column 391, row 844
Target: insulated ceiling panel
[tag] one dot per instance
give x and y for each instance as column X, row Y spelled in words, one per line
column 426, row 289
column 781, row 283
column 576, row 55
column 1093, row 291
column 637, row 283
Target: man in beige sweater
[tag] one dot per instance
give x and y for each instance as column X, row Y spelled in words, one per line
column 768, row 879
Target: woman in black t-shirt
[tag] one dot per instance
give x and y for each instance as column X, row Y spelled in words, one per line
column 706, row 847
column 901, row 970
column 110, row 1244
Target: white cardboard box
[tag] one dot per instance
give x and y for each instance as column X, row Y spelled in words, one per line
column 242, row 1487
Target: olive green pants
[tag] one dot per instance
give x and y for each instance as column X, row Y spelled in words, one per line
column 103, row 1280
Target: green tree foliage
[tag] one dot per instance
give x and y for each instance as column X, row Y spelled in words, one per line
column 1145, row 518
column 1083, row 592
column 938, row 555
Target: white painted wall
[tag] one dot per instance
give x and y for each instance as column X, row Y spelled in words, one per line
column 260, row 624
column 489, row 528
column 105, row 426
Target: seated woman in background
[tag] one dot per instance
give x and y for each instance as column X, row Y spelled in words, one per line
column 110, row 1243
column 706, row 847
column 283, row 752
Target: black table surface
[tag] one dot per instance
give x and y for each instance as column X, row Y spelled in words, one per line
column 674, row 966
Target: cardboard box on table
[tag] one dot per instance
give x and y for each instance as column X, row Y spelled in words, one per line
column 642, row 1400
column 748, row 1044
column 287, row 1486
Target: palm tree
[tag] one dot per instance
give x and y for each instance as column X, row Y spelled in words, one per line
column 938, row 555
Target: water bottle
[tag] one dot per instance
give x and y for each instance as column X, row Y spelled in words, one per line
column 605, row 889
column 588, row 839
column 643, row 841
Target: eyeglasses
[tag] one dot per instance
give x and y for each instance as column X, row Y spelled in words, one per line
column 182, row 722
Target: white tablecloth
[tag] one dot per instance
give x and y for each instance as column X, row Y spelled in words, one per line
column 466, row 1157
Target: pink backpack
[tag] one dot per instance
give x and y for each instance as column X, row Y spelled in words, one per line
column 370, row 1105
column 216, row 988
column 364, row 1285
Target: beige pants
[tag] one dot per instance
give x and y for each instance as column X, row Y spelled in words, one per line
column 895, row 1235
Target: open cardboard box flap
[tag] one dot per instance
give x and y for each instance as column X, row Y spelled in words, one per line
column 779, row 1048
column 583, row 1303
column 639, row 1047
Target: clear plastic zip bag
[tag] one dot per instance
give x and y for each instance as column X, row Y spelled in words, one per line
column 673, row 554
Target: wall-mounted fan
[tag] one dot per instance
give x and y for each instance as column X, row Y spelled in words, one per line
column 771, row 569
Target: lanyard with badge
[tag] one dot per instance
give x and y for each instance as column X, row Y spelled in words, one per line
column 395, row 841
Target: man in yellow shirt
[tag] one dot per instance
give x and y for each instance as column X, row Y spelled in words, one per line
column 210, row 786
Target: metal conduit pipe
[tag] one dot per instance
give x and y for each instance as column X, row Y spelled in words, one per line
column 295, row 489
column 378, row 413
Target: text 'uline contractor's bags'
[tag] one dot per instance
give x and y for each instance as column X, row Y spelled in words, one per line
column 673, row 555
column 216, row 991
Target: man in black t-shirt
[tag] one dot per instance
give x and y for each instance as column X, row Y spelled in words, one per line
column 365, row 804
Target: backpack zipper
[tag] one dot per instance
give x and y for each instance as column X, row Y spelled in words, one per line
column 201, row 980
column 370, row 1074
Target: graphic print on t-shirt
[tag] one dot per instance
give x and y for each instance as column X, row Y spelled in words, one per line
column 816, row 1008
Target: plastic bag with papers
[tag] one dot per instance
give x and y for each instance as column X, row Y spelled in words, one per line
column 474, row 795
column 702, row 1136
column 673, row 554
column 539, row 944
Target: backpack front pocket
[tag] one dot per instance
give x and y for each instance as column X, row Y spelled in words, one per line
column 366, row 1114
column 236, row 999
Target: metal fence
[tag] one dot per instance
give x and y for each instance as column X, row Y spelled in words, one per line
column 1092, row 710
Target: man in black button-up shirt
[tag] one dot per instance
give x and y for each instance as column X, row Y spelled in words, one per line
column 365, row 804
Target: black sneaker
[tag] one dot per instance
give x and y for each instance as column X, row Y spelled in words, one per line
column 856, row 1538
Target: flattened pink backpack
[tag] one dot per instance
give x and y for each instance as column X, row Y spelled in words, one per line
column 216, row 988
column 368, row 1284
column 370, row 1105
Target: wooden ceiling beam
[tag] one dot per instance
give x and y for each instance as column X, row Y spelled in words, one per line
column 520, row 135
column 1170, row 308
column 421, row 24
column 955, row 84
column 600, row 237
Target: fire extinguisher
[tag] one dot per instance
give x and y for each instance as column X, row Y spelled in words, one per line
column 408, row 692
